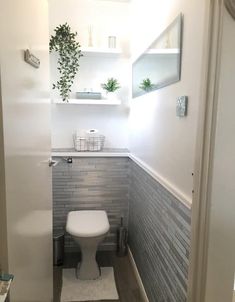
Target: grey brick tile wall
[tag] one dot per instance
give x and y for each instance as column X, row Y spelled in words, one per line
column 91, row 183
column 159, row 224
column 159, row 237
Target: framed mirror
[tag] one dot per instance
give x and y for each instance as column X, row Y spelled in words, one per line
column 160, row 64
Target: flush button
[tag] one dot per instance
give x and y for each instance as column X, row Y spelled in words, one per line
column 182, row 106
column 69, row 160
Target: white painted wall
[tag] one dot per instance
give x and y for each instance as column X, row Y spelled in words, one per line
column 25, row 147
column 221, row 253
column 163, row 141
column 107, row 18
column 111, row 121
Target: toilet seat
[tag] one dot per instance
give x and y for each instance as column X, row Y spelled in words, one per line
column 87, row 223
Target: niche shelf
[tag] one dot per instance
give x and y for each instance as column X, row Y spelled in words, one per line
column 87, row 102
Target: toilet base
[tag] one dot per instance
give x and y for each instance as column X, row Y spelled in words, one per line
column 88, row 268
column 88, row 271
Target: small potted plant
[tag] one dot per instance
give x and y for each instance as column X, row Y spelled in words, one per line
column 146, row 85
column 110, row 87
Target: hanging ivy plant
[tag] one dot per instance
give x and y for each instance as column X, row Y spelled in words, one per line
column 65, row 44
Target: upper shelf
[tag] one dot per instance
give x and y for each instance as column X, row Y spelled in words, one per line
column 101, row 52
column 163, row 51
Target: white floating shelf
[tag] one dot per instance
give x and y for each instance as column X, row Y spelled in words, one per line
column 163, row 51
column 90, row 154
column 102, row 52
column 87, row 102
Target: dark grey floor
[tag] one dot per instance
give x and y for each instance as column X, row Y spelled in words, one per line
column 125, row 279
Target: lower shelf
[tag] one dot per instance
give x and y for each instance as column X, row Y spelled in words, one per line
column 87, row 102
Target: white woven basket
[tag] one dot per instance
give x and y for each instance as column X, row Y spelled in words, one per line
column 89, row 143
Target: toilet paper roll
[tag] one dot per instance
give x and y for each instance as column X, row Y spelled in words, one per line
column 81, row 133
column 92, row 132
column 82, row 144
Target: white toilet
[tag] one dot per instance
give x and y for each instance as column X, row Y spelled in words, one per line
column 88, row 228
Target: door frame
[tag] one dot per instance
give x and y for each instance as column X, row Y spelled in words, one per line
column 205, row 151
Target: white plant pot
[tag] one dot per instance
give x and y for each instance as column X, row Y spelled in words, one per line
column 111, row 96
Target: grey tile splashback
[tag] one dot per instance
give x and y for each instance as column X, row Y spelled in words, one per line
column 159, row 237
column 91, row 183
column 159, row 224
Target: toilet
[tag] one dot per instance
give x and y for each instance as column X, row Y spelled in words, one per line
column 88, row 229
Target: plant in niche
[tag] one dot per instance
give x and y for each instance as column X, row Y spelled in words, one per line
column 146, row 85
column 65, row 44
column 111, row 85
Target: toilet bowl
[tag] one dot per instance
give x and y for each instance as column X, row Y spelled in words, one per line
column 88, row 229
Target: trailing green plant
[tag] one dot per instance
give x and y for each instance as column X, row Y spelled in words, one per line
column 111, row 85
column 146, row 85
column 65, row 44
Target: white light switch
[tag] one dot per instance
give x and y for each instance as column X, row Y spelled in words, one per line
column 182, row 106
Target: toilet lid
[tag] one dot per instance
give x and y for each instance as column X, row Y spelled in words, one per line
column 87, row 223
